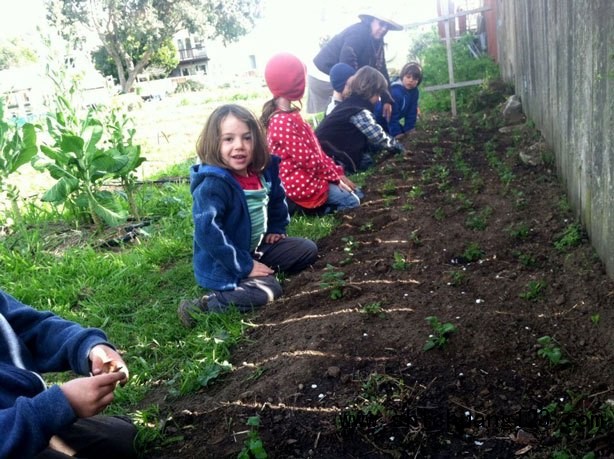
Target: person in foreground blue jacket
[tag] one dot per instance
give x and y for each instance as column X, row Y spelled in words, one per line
column 60, row 421
column 405, row 94
column 240, row 218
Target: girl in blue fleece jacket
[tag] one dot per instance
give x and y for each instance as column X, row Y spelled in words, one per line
column 59, row 421
column 240, row 218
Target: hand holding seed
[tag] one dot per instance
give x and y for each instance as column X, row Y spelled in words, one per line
column 105, row 359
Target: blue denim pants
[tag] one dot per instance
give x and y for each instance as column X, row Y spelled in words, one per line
column 339, row 199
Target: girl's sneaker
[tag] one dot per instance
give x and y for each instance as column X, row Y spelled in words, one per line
column 189, row 309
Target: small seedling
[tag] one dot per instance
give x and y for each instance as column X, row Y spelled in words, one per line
column 389, row 188
column 457, row 278
column 477, row 183
column 463, row 200
column 414, row 237
column 519, row 198
column 551, row 351
column 440, row 331
column 333, row 279
column 256, row 374
column 348, row 249
column 439, row 214
column 387, row 201
column 438, row 151
column 399, row 263
column 527, row 259
column 253, row 447
column 564, row 205
column 408, row 207
column 534, row 290
column 571, row 237
column 595, row 318
column 473, row 252
column 366, row 227
column 520, row 231
column 479, row 220
column 415, row 192
column 373, row 309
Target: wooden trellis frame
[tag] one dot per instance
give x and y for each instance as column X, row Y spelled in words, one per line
column 446, row 17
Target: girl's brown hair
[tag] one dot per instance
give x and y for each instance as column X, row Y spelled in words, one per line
column 270, row 107
column 210, row 138
column 368, row 82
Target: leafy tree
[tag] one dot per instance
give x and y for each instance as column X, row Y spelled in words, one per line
column 162, row 62
column 132, row 31
column 14, row 53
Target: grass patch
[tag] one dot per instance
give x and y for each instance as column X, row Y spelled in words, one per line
column 131, row 291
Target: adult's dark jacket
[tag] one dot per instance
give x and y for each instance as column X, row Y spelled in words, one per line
column 339, row 138
column 356, row 47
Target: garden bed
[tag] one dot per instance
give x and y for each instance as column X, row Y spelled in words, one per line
column 457, row 229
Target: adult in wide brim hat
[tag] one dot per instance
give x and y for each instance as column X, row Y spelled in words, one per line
column 358, row 45
column 392, row 25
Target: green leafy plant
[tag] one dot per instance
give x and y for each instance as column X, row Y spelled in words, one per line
column 473, row 252
column 253, row 447
column 366, row 227
column 457, row 277
column 439, row 335
column 408, row 207
column 399, row 262
column 333, row 279
column 389, row 188
column 415, row 192
column 478, row 220
column 519, row 231
column 551, row 351
column 126, row 152
column 576, row 419
column 414, row 238
column 348, row 249
column 87, row 150
column 564, row 205
column 463, row 200
column 519, row 198
column 376, row 391
column 595, row 319
column 570, row 237
column 477, row 183
column 17, row 147
column 439, row 214
column 527, row 259
column 534, row 290
column 373, row 309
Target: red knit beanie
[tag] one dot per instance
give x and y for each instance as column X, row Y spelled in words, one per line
column 285, row 76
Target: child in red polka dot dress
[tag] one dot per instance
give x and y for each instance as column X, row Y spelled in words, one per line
column 312, row 180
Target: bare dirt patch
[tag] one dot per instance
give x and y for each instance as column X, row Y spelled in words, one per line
column 458, row 228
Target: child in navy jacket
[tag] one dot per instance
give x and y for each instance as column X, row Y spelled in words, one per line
column 405, row 94
column 240, row 218
column 58, row 421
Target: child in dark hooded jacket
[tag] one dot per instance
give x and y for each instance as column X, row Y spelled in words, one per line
column 405, row 108
column 240, row 218
column 59, row 421
column 350, row 132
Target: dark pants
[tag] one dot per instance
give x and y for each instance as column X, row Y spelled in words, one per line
column 290, row 255
column 97, row 437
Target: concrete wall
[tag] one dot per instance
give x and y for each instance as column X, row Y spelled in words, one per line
column 559, row 54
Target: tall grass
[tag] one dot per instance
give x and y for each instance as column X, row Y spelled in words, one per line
column 132, row 292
